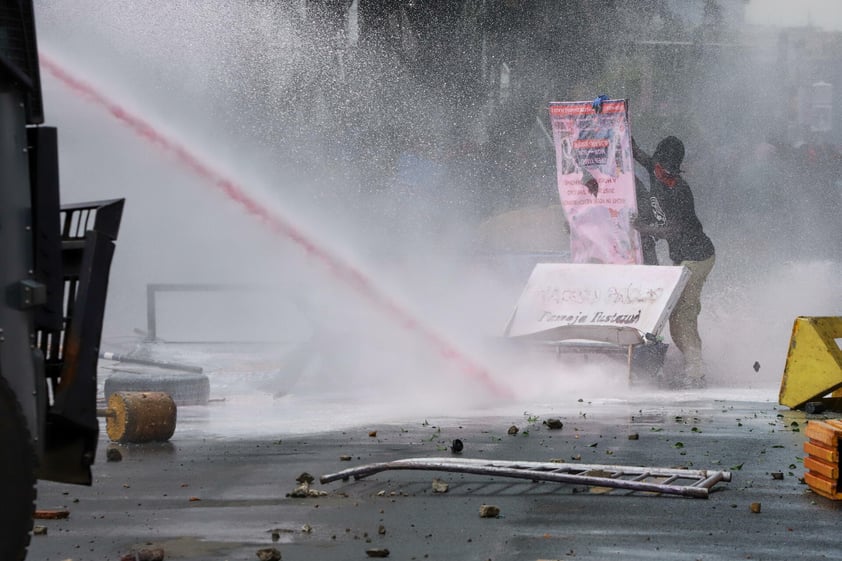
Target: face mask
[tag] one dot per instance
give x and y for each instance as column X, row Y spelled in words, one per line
column 664, row 176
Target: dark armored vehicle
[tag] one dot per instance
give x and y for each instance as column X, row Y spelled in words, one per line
column 54, row 267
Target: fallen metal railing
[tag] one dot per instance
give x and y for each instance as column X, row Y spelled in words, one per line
column 672, row 481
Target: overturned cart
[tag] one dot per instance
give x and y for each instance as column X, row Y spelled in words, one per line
column 683, row 482
column 606, row 309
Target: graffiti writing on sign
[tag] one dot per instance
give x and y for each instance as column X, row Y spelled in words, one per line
column 594, row 318
column 632, row 294
column 566, row 319
column 629, row 294
column 556, row 295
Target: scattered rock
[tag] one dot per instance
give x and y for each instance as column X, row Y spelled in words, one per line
column 305, row 478
column 51, row 514
column 634, row 436
column 373, row 434
column 144, row 554
column 439, row 486
column 457, row 446
column 554, row 424
column 307, row 529
column 754, row 507
column 39, row 531
column 777, row 475
column 377, row 552
column 489, row 511
column 304, row 491
column 381, row 530
column 268, row 554
column 344, row 458
column 113, row 454
column 756, row 366
column 513, row 430
column 276, row 535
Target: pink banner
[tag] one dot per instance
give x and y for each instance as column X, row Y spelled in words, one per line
column 596, row 180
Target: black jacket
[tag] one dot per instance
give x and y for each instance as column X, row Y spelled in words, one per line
column 673, row 215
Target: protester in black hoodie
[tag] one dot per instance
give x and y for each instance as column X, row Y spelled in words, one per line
column 673, row 218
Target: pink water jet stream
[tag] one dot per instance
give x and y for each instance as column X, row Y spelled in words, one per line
column 347, row 273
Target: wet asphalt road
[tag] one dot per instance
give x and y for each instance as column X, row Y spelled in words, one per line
column 211, row 497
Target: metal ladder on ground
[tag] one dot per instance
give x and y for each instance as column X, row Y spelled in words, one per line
column 670, row 481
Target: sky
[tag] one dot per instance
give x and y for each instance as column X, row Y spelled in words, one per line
column 826, row 14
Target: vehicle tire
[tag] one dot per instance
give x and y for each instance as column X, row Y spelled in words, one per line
column 17, row 477
column 183, row 388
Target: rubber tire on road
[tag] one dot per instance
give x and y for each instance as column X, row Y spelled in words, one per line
column 17, row 477
column 183, row 388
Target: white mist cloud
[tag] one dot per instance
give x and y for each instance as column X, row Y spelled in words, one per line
column 384, row 328
column 188, row 72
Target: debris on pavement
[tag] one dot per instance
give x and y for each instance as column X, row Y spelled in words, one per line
column 554, row 424
column 51, row 514
column 305, row 478
column 377, row 552
column 144, row 554
column 113, row 454
column 268, row 554
column 440, row 486
column 489, row 511
column 304, row 491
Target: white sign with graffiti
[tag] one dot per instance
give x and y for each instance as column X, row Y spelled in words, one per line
column 617, row 304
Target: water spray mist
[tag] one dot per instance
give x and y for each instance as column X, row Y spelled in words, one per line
column 340, row 269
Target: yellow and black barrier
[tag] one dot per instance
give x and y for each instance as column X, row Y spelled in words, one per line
column 814, row 362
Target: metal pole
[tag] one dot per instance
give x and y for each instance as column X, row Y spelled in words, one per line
column 150, row 362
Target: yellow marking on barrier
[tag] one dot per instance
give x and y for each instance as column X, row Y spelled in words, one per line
column 814, row 362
